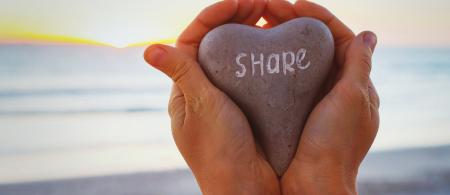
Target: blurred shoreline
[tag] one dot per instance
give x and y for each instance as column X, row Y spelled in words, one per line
column 395, row 172
column 81, row 111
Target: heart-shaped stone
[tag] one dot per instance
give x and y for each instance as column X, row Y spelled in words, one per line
column 274, row 75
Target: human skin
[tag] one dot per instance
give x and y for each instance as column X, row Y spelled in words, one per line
column 215, row 138
column 209, row 129
column 343, row 125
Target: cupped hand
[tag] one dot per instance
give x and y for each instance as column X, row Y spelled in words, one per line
column 210, row 131
column 343, row 125
column 215, row 138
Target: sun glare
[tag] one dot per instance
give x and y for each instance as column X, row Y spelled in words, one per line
column 118, row 43
column 50, row 39
column 124, row 44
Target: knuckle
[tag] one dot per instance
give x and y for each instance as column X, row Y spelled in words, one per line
column 197, row 102
column 180, row 70
column 176, row 105
column 366, row 61
column 374, row 97
column 203, row 103
column 353, row 93
column 193, row 102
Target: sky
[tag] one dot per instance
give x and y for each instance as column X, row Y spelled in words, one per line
column 124, row 23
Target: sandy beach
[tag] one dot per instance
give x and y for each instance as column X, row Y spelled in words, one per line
column 420, row 171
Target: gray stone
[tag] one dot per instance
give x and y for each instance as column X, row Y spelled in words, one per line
column 278, row 94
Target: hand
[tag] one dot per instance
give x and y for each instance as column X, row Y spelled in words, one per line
column 342, row 127
column 211, row 132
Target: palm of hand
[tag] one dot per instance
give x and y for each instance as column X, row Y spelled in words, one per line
column 343, row 125
column 332, row 125
column 210, row 130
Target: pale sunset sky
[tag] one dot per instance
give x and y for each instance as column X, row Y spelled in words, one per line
column 411, row 23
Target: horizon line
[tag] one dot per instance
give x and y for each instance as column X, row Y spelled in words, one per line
column 49, row 39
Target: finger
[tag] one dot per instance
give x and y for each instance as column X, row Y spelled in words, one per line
column 308, row 9
column 271, row 22
column 279, row 11
column 341, row 33
column 244, row 10
column 258, row 11
column 267, row 25
column 211, row 17
column 358, row 58
column 181, row 68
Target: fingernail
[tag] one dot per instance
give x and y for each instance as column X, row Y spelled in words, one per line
column 154, row 55
column 370, row 40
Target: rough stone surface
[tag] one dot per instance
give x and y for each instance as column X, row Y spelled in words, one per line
column 276, row 99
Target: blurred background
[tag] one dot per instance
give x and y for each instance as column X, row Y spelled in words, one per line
column 82, row 113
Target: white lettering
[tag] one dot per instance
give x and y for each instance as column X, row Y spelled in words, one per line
column 273, row 62
column 238, row 61
column 288, row 66
column 272, row 57
column 260, row 62
column 301, row 54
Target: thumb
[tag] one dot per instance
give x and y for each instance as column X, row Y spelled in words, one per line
column 181, row 68
column 358, row 58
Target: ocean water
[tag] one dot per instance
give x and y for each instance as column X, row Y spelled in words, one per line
column 71, row 111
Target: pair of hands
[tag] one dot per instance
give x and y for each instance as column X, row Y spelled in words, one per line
column 215, row 138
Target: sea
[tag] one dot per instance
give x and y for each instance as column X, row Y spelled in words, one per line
column 71, row 111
